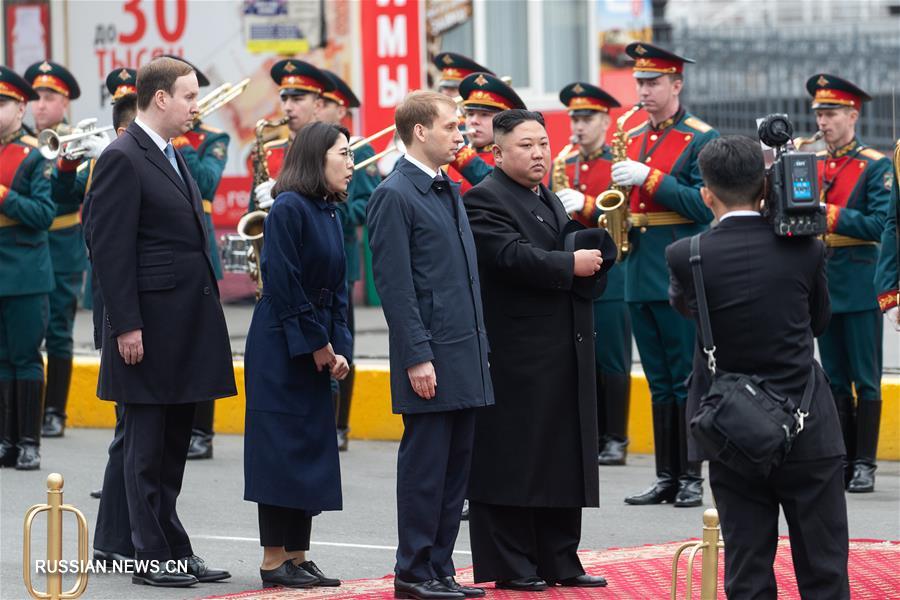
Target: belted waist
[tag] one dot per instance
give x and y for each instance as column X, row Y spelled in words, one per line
column 320, row 297
column 655, row 219
column 836, row 240
column 60, row 222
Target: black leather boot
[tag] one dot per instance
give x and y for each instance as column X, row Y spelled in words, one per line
column 342, row 409
column 690, row 479
column 9, row 426
column 617, row 400
column 847, row 417
column 202, row 431
column 59, row 377
column 868, row 420
column 29, row 404
column 665, row 431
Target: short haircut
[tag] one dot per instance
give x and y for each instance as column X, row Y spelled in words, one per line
column 507, row 120
column 159, row 74
column 124, row 111
column 419, row 108
column 673, row 77
column 733, row 168
column 304, row 166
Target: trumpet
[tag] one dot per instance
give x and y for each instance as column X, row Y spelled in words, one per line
column 802, row 141
column 218, row 98
column 52, row 144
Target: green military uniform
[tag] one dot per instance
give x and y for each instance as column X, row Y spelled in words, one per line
column 665, row 206
column 26, row 277
column 589, row 174
column 887, row 274
column 68, row 255
column 856, row 186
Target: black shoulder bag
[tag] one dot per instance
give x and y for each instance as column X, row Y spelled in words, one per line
column 741, row 423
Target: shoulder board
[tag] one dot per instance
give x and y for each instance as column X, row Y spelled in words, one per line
column 29, row 140
column 84, row 165
column 871, row 153
column 695, row 123
column 274, row 143
column 571, row 155
column 209, row 129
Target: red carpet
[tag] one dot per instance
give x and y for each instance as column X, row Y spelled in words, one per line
column 644, row 572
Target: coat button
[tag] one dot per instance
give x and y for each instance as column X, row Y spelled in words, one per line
column 646, row 160
column 584, row 167
column 642, row 206
column 471, row 280
column 206, row 290
column 583, row 186
column 643, row 230
column 654, row 137
column 578, row 337
column 332, row 214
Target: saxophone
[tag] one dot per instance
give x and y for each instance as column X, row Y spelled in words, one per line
column 614, row 201
column 250, row 227
column 559, row 180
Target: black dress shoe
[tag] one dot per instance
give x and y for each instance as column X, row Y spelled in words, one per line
column 583, row 581
column 465, row 511
column 54, row 425
column 198, row 568
column 343, row 439
column 690, row 493
column 164, row 578
column 659, row 492
column 311, row 568
column 29, row 457
column 432, row 589
column 523, row 584
column 287, row 575
column 863, row 480
column 97, row 493
column 614, row 452
column 201, row 446
column 111, row 557
column 468, row 591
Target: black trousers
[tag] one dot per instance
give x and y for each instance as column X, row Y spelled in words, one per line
column 203, row 418
column 811, row 493
column 509, row 542
column 432, row 476
column 113, row 530
column 157, row 437
column 285, row 527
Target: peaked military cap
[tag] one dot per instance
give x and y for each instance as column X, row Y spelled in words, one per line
column 584, row 98
column 456, row 67
column 121, row 82
column 295, row 77
column 202, row 80
column 652, row 61
column 830, row 91
column 342, row 94
column 15, row 87
column 484, row 91
column 52, row 76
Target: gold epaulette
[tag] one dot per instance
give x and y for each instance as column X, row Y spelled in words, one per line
column 29, row 140
column 695, row 123
column 206, row 127
column 871, row 153
column 273, row 143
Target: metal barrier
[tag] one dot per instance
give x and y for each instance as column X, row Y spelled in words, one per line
column 709, row 567
column 55, row 509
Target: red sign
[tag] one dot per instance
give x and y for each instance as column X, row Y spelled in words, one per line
column 392, row 54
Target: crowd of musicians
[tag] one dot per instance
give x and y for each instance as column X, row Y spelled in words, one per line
column 474, row 257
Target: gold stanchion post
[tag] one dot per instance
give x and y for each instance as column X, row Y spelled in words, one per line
column 709, row 566
column 54, row 509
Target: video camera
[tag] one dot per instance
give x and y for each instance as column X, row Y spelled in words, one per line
column 792, row 183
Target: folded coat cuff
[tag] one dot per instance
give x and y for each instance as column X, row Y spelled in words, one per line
column 303, row 332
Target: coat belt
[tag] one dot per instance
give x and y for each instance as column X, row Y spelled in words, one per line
column 836, row 240
column 60, row 222
column 320, row 297
column 655, row 219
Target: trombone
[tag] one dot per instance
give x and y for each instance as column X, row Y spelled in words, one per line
column 52, row 144
column 392, row 147
column 218, row 98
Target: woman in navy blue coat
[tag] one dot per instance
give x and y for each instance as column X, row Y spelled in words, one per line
column 298, row 340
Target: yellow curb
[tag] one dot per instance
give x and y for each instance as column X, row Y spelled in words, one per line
column 371, row 417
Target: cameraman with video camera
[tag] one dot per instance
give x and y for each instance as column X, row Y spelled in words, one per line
column 766, row 296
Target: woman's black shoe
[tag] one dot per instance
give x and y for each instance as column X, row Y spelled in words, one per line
column 523, row 584
column 468, row 591
column 287, row 575
column 311, row 568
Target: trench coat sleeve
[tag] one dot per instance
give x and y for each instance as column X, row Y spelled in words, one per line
column 284, row 281
column 114, row 217
column 341, row 338
column 390, row 227
column 819, row 300
column 504, row 250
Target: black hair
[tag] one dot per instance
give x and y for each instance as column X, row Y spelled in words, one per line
column 124, row 111
column 304, row 166
column 507, row 120
column 733, row 168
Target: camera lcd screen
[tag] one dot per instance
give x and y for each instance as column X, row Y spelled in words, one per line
column 800, row 172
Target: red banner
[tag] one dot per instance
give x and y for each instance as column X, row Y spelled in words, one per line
column 392, row 55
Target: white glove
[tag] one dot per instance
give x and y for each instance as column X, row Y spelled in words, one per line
column 630, row 172
column 95, row 144
column 263, row 194
column 572, row 200
column 892, row 315
column 86, row 123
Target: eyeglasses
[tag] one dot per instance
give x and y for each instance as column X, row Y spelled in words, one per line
column 347, row 155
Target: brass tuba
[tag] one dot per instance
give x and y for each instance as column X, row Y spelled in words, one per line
column 614, row 201
column 250, row 227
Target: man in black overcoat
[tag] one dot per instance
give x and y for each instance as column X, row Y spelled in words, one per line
column 165, row 342
column 534, row 465
column 767, row 298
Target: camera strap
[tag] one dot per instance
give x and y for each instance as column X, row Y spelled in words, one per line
column 706, row 337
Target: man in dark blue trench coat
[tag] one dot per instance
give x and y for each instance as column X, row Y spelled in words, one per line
column 426, row 273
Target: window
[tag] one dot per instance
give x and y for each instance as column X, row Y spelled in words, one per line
column 566, row 51
column 506, row 40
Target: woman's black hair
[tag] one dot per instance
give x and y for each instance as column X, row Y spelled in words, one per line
column 303, row 171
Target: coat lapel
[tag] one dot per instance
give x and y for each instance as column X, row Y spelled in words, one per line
column 157, row 158
column 531, row 203
column 559, row 213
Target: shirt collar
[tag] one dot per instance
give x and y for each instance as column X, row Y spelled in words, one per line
column 739, row 213
column 428, row 170
column 157, row 139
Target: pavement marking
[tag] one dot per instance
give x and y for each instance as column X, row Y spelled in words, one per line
column 229, row 538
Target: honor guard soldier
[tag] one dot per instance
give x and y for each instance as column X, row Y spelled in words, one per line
column 56, row 87
column 483, row 96
column 454, row 68
column 855, row 183
column 665, row 205
column 300, row 86
column 352, row 211
column 887, row 276
column 205, row 152
column 26, row 276
column 577, row 180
